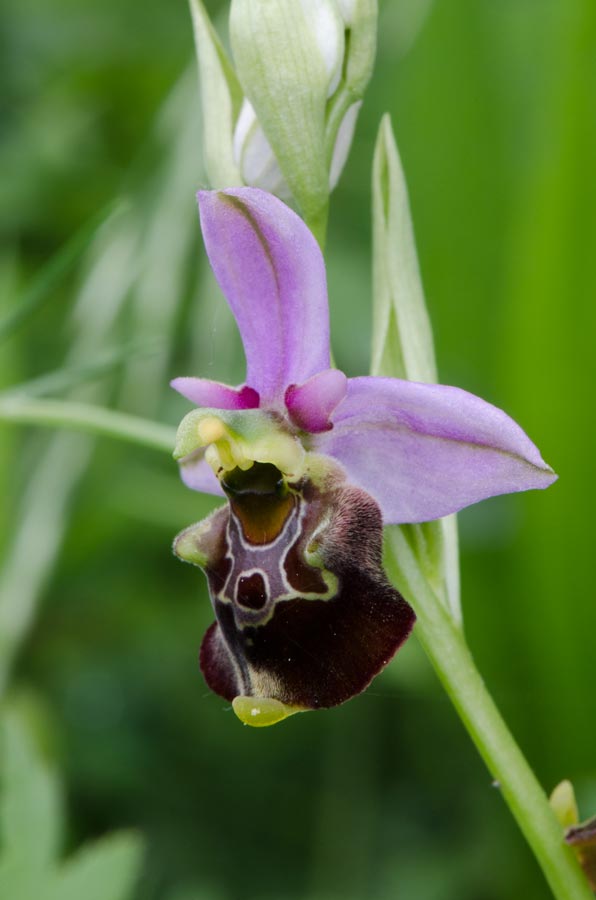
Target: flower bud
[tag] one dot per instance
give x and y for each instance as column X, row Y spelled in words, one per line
column 360, row 17
column 288, row 56
column 284, row 120
column 256, row 161
column 254, row 157
column 348, row 10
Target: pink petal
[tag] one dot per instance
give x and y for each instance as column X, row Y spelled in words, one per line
column 272, row 274
column 424, row 451
column 198, row 475
column 311, row 404
column 219, row 396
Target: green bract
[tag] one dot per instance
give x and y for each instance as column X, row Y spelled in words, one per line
column 402, row 335
column 221, row 98
column 402, row 344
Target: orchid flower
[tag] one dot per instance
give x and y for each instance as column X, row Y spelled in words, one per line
column 313, row 465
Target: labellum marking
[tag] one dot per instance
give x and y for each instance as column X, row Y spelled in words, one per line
column 284, row 574
column 252, row 589
column 305, row 614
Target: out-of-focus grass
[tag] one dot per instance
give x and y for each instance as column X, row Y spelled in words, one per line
column 493, row 107
column 550, row 315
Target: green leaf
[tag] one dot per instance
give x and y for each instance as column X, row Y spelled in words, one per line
column 88, row 418
column 31, row 828
column 402, row 336
column 19, row 882
column 283, row 74
column 196, row 893
column 104, row 870
column 69, row 377
column 30, row 805
column 111, row 293
column 221, row 97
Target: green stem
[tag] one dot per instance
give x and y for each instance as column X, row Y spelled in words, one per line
column 317, row 223
column 88, row 418
column 446, row 648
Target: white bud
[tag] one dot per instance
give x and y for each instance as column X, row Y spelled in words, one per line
column 254, row 157
column 257, row 163
column 347, row 9
column 301, row 85
column 328, row 29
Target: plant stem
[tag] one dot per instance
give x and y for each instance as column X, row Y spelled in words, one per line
column 317, row 223
column 88, row 418
column 445, row 645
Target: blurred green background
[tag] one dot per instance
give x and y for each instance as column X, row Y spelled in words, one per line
column 494, row 109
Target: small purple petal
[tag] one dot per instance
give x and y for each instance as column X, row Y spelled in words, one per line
column 198, row 475
column 424, row 451
column 272, row 274
column 311, row 404
column 213, row 394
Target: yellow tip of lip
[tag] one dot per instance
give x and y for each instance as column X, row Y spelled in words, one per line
column 259, row 712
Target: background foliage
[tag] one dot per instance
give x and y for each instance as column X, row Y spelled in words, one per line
column 494, row 110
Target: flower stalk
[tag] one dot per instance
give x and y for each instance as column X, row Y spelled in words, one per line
column 446, row 648
column 403, row 347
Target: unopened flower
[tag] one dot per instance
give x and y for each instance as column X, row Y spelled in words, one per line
column 313, row 464
column 258, row 164
column 282, row 116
